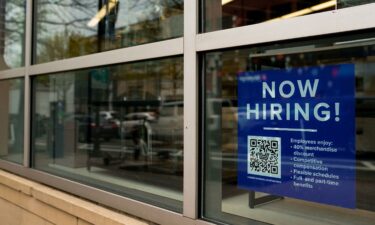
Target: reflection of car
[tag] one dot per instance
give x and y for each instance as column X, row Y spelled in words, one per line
column 109, row 115
column 162, row 131
column 87, row 128
column 135, row 121
column 169, row 124
column 167, row 130
column 149, row 116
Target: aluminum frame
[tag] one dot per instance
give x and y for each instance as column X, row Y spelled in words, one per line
column 12, row 73
column 190, row 46
column 329, row 22
column 27, row 97
column 190, row 185
column 159, row 49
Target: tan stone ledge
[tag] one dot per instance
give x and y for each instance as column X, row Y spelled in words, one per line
column 37, row 198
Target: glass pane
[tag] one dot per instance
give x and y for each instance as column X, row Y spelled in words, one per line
column 350, row 3
column 224, row 14
column 12, row 33
column 69, row 28
column 11, row 119
column 242, row 182
column 118, row 128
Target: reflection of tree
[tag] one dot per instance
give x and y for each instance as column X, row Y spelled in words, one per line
column 62, row 46
column 12, row 27
column 53, row 48
column 65, row 13
column 2, row 33
column 65, row 23
column 60, row 24
column 150, row 80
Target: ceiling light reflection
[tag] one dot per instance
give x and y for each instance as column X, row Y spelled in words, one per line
column 102, row 13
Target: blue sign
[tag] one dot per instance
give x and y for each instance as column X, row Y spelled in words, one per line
column 296, row 133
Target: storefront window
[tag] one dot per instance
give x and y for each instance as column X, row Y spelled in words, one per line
column 68, row 28
column 288, row 132
column 224, row 14
column 118, row 128
column 350, row 3
column 11, row 119
column 12, row 33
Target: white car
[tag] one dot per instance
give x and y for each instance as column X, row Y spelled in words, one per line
column 136, row 120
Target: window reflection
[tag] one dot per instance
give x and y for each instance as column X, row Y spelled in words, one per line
column 71, row 28
column 117, row 128
column 350, row 3
column 224, row 14
column 223, row 199
column 11, row 118
column 12, row 33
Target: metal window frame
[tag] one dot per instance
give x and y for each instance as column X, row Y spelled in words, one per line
column 172, row 47
column 12, row 73
column 190, row 45
column 330, row 22
column 190, row 190
column 27, row 84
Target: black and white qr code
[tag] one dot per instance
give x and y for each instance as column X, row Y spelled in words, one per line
column 264, row 156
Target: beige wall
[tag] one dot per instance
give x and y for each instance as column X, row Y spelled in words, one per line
column 23, row 202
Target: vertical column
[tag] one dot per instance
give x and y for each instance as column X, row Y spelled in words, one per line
column 28, row 45
column 190, row 204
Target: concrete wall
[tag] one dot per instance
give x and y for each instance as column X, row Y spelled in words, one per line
column 23, row 202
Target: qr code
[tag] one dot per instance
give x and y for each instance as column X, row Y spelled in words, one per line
column 264, row 156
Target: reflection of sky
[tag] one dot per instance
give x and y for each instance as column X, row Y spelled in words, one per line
column 59, row 16
column 74, row 15
column 14, row 18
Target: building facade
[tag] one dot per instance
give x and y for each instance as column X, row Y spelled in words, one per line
column 193, row 111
